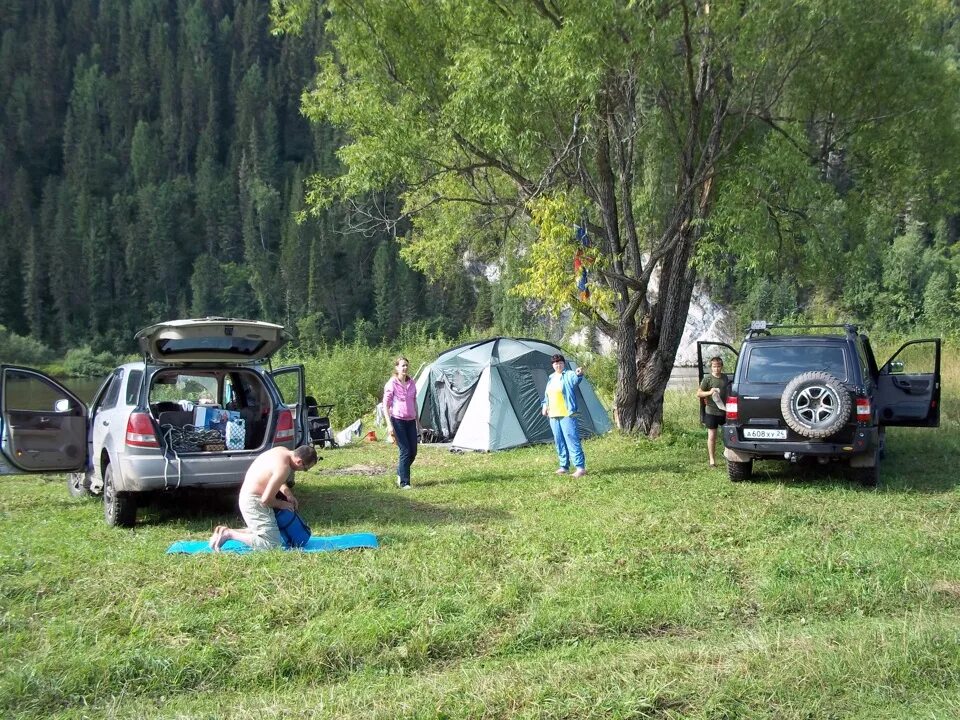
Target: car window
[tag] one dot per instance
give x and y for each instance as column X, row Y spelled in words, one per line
column 193, row 388
column 914, row 359
column 289, row 386
column 865, row 372
column 134, row 378
column 113, row 391
column 26, row 391
column 781, row 363
column 229, row 394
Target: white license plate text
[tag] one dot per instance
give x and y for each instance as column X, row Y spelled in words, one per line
column 758, row 434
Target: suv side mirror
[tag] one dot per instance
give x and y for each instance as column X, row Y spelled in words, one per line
column 894, row 367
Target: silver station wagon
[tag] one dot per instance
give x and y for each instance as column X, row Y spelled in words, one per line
column 194, row 413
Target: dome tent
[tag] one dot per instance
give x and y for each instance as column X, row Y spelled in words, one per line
column 486, row 395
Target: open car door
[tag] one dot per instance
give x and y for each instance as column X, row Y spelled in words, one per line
column 908, row 386
column 291, row 381
column 707, row 349
column 43, row 426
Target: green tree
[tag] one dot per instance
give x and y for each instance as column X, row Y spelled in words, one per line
column 632, row 118
column 939, row 310
column 205, row 287
column 385, row 290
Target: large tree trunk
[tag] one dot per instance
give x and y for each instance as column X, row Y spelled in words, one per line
column 651, row 321
column 647, row 349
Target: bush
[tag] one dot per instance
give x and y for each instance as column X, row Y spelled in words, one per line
column 83, row 362
column 22, row 350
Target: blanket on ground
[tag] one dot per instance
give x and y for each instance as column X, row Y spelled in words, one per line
column 315, row 544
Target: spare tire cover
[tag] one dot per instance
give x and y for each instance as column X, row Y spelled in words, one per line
column 815, row 404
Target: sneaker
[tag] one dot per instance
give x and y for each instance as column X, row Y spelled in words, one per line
column 399, row 484
column 405, row 486
column 579, row 472
column 562, row 471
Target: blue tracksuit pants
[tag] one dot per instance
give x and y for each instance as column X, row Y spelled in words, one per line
column 566, row 438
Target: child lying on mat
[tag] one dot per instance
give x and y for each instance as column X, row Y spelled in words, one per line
column 265, row 489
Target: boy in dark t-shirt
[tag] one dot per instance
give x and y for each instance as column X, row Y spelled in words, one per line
column 713, row 392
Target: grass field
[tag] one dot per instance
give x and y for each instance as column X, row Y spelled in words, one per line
column 652, row 588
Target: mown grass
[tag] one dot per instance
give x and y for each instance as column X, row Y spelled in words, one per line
column 652, row 588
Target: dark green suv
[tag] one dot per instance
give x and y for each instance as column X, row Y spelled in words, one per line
column 816, row 393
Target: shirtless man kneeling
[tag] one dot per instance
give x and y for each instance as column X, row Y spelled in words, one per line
column 265, row 478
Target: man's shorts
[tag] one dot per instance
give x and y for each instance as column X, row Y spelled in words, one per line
column 713, row 421
column 261, row 522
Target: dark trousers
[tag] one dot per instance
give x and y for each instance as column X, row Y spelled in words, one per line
column 405, row 431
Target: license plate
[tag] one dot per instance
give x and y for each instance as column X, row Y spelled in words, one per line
column 758, row 434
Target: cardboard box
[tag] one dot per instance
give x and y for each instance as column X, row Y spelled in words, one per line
column 210, row 418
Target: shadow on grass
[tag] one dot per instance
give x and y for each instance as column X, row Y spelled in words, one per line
column 644, row 468
column 897, row 477
column 323, row 506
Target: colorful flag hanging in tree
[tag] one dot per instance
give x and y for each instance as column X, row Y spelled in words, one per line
column 581, row 260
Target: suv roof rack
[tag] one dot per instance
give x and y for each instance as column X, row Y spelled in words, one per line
column 762, row 327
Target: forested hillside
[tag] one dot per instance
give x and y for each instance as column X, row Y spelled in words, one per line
column 152, row 159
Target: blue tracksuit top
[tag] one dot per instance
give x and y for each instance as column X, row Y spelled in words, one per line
column 570, row 381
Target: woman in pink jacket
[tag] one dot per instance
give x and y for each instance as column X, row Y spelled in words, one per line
column 403, row 426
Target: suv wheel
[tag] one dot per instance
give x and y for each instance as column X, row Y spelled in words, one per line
column 119, row 509
column 739, row 471
column 815, row 404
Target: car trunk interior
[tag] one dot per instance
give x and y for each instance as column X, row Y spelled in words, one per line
column 210, row 410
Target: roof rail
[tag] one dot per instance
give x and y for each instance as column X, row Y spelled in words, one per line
column 762, row 327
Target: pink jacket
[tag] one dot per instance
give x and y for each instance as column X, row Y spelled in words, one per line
column 400, row 399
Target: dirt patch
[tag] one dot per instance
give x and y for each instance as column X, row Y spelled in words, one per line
column 359, row 470
column 947, row 587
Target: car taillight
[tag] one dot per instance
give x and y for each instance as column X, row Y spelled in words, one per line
column 863, row 409
column 284, row 427
column 140, row 431
column 731, row 405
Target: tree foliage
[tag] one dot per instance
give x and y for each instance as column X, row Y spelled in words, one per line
column 678, row 133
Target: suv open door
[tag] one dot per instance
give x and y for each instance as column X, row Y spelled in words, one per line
column 908, row 386
column 707, row 349
column 43, row 426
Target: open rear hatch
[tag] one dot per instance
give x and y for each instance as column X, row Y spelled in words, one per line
column 211, row 340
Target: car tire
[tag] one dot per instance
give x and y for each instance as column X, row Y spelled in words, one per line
column 119, row 509
column 77, row 485
column 739, row 471
column 815, row 404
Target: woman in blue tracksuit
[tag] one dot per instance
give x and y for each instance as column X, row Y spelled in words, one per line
column 560, row 405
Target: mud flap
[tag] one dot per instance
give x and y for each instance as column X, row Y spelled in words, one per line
column 735, row 456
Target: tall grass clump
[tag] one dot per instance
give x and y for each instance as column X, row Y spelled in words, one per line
column 352, row 374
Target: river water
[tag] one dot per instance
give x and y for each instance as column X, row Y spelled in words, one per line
column 85, row 388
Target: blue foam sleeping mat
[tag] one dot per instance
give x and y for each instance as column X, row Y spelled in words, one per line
column 314, row 544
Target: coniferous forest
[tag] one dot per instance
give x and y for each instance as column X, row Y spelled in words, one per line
column 152, row 162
